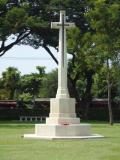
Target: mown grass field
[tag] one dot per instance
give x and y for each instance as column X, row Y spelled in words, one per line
column 14, row 147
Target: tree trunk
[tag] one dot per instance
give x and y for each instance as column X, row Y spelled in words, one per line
column 72, row 89
column 109, row 95
column 87, row 95
column 109, row 101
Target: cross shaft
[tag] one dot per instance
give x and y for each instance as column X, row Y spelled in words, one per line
column 62, row 91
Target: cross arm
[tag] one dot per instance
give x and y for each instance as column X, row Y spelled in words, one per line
column 69, row 25
column 55, row 25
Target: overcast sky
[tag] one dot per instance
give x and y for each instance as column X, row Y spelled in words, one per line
column 26, row 58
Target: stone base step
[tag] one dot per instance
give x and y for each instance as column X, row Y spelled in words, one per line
column 34, row 136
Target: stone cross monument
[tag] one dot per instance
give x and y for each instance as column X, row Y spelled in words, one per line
column 62, row 107
column 62, row 121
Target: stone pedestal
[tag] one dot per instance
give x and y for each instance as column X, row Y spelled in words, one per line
column 54, row 130
column 62, row 111
column 62, row 123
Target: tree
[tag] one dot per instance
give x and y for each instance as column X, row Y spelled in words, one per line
column 10, row 81
column 49, row 85
column 26, row 22
column 31, row 24
column 41, row 70
column 104, row 18
column 13, row 24
column 106, row 85
column 85, row 63
column 31, row 83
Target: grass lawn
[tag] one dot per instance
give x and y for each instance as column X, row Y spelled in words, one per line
column 14, row 147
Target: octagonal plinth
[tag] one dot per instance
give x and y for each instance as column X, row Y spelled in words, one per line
column 74, row 131
column 63, row 130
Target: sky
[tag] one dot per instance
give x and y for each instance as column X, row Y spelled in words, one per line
column 26, row 58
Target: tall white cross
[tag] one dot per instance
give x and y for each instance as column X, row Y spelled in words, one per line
column 62, row 91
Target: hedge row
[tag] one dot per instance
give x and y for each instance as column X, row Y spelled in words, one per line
column 100, row 114
column 14, row 114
